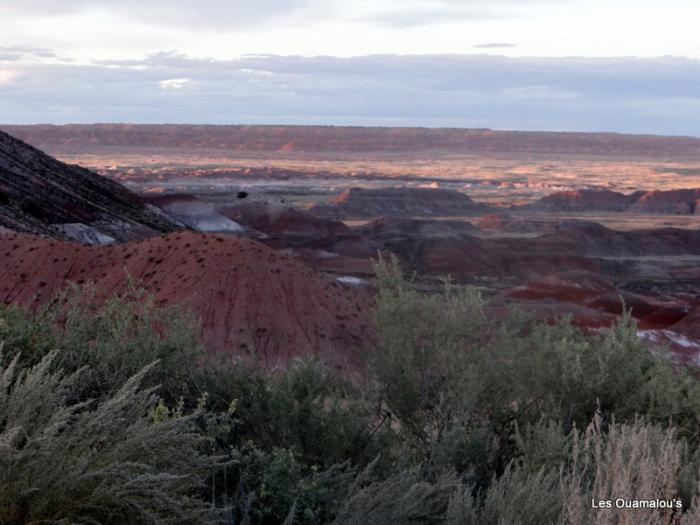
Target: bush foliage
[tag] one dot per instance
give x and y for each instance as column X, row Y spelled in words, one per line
column 114, row 414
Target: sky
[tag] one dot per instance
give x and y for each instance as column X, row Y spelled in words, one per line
column 569, row 65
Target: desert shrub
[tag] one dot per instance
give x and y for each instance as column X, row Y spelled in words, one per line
column 401, row 499
column 114, row 341
column 94, row 462
column 423, row 360
column 460, row 385
column 543, row 444
column 277, row 487
column 294, row 436
column 515, row 498
column 306, row 409
column 27, row 334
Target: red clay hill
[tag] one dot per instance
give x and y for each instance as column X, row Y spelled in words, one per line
column 253, row 301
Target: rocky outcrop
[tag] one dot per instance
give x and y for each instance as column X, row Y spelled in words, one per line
column 195, row 213
column 253, row 302
column 399, row 202
column 280, row 220
column 39, row 194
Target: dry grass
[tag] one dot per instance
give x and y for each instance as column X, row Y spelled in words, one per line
column 631, row 462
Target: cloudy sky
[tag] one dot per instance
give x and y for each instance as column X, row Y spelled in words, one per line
column 614, row 65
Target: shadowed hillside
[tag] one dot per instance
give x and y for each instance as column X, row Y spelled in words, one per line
column 39, row 194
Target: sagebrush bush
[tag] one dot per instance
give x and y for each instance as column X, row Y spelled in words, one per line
column 402, row 499
column 94, row 462
column 516, row 497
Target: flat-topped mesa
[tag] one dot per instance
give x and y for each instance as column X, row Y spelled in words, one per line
column 350, row 139
column 400, row 202
column 39, row 194
column 669, row 202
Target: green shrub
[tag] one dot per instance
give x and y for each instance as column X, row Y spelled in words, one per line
column 459, row 385
column 114, row 340
column 292, row 436
column 281, row 488
column 306, row 409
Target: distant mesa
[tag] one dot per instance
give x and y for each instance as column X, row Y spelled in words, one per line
column 349, row 139
column 669, row 202
column 399, row 202
column 593, row 239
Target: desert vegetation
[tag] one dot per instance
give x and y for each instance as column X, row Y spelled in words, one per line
column 113, row 414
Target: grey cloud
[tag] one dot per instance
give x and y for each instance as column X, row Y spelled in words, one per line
column 16, row 53
column 421, row 12
column 219, row 14
column 229, row 14
column 495, row 45
column 628, row 95
column 422, row 17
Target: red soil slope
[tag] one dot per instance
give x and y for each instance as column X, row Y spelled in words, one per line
column 252, row 300
column 565, row 287
column 690, row 325
column 585, row 296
